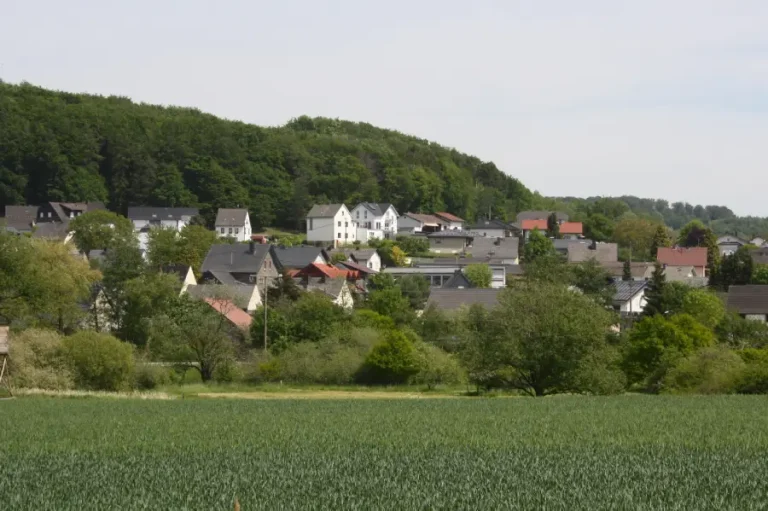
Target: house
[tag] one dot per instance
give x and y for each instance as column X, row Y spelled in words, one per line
column 629, row 298
column 245, row 296
column 362, row 271
column 454, row 299
column 146, row 218
column 440, row 270
column 489, row 229
column 247, row 264
column 679, row 256
column 639, row 270
column 503, row 250
column 600, row 252
column 759, row 255
column 367, row 257
column 451, row 222
column 236, row 316
column 562, row 245
column 49, row 220
column 568, row 230
column 451, row 242
column 233, row 223
column 182, row 272
column 541, row 215
column 21, row 218
column 378, row 219
column 298, row 257
column 758, row 242
column 331, row 224
column 458, row 281
column 98, row 312
column 685, row 274
column 730, row 244
column 413, row 223
column 334, row 288
column 750, row 302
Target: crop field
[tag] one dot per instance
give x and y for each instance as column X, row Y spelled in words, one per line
column 629, row 452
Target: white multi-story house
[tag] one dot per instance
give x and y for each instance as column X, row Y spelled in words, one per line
column 145, row 219
column 379, row 219
column 233, row 223
column 331, row 223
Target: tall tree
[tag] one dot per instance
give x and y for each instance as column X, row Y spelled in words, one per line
column 98, row 229
column 479, row 275
column 626, row 271
column 654, row 292
column 696, row 234
column 661, row 238
column 553, row 227
column 537, row 245
column 734, row 270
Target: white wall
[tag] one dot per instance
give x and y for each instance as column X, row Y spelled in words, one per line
column 489, row 233
column 380, row 225
column 637, row 304
column 339, row 230
column 240, row 233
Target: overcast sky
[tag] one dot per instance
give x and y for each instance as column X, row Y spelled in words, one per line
column 652, row 98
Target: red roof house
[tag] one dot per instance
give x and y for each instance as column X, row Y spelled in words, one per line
column 529, row 225
column 232, row 312
column 322, row 270
column 679, row 256
column 566, row 228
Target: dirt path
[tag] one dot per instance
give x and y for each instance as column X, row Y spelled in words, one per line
column 324, row 394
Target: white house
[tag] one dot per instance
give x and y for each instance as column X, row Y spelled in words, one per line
column 629, row 297
column 367, row 257
column 380, row 219
column 331, row 223
column 450, row 221
column 145, row 219
column 233, row 223
column 416, row 222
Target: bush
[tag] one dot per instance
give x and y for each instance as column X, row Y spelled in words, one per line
column 392, row 361
column 715, row 370
column 436, row 367
column 99, row 361
column 38, row 361
column 227, row 371
column 754, row 379
column 151, row 376
column 599, row 373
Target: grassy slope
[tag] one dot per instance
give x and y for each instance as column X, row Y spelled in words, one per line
column 557, row 453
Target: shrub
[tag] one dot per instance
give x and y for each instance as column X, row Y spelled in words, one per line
column 99, row 361
column 600, row 373
column 227, row 371
column 369, row 318
column 38, row 361
column 392, row 361
column 708, row 371
column 436, row 367
column 754, row 378
column 151, row 376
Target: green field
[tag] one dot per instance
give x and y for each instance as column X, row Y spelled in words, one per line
column 630, row 452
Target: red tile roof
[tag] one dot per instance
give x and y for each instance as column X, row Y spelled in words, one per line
column 571, row 228
column 449, row 217
column 529, row 225
column 232, row 312
column 678, row 256
column 326, row 269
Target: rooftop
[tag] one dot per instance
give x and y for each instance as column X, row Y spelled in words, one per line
column 679, row 256
column 448, row 217
column 447, row 299
column 231, row 217
column 377, row 208
column 429, row 220
column 235, row 315
column 450, row 234
column 489, row 224
column 236, row 258
column 748, row 299
column 626, row 290
column 299, row 256
column 324, row 210
column 149, row 214
column 600, row 252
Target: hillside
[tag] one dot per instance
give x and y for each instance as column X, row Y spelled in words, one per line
column 76, row 147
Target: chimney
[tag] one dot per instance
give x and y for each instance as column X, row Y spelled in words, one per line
column 252, row 246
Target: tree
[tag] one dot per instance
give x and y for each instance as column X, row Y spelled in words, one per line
column 99, row 361
column 413, row 244
column 696, row 234
column 550, row 268
column 480, row 275
column 638, row 234
column 537, row 339
column 416, row 289
column 626, row 271
column 704, row 306
column 760, row 274
column 97, row 229
column 598, row 227
column 144, row 297
column 338, row 257
column 594, row 281
column 122, row 263
column 553, row 227
column 734, row 270
column 391, row 302
column 194, row 243
column 654, row 292
column 162, row 248
column 392, row 361
column 537, row 245
column 661, row 238
column 312, row 317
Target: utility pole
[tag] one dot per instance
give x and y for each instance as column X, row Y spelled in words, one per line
column 266, row 298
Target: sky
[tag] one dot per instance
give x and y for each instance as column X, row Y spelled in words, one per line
column 653, row 98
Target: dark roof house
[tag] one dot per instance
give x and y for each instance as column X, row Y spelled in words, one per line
column 157, row 214
column 231, row 217
column 236, row 258
column 22, row 218
column 458, row 281
column 496, row 249
column 448, row 299
column 324, row 210
column 299, row 256
column 377, row 208
column 541, row 215
column 748, row 300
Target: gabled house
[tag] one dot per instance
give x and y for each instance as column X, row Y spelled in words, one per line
column 451, row 300
column 440, row 270
column 750, row 302
column 503, row 250
column 568, row 230
column 146, row 218
column 49, row 220
column 458, row 281
column 21, row 218
column 758, row 242
column 685, row 274
column 489, row 229
column 451, row 242
column 298, row 257
column 378, row 219
column 600, row 252
column 730, row 244
column 450, row 221
column 247, row 264
column 331, row 224
column 233, row 223
column 182, row 272
column 640, row 271
column 246, row 296
column 629, row 298
column 367, row 257
column 541, row 215
column 412, row 223
column 563, row 245
column 679, row 256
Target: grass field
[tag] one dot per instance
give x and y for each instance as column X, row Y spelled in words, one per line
column 630, row 452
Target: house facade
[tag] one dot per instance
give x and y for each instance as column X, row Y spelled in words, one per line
column 145, row 219
column 679, row 256
column 629, row 298
column 378, row 219
column 239, row 263
column 412, row 223
column 450, row 242
column 750, row 302
column 233, row 223
column 332, row 224
column 728, row 245
column 451, row 221
column 489, row 229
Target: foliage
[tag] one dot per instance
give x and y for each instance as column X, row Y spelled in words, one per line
column 413, row 244
column 392, row 361
column 654, row 292
column 338, row 257
column 696, row 234
column 673, row 297
column 551, row 268
column 480, row 275
column 188, row 248
column 149, row 376
column 436, row 367
column 760, row 274
column 537, row 245
column 594, row 281
column 626, row 271
column 708, row 371
column 598, row 227
column 704, row 306
column 738, row 332
column 38, row 361
column 553, row 227
column 99, row 361
column 643, row 236
column 416, row 289
column 734, row 270
column 391, row 302
column 661, row 239
column 754, row 378
column 145, row 297
column 98, row 229
column 438, row 328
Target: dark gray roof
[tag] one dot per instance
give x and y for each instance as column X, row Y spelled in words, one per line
column 377, row 208
column 144, row 213
column 324, row 210
column 236, row 258
column 51, row 230
column 639, row 270
column 541, row 215
column 451, row 234
column 222, row 277
column 600, row 252
column 488, row 224
column 748, row 299
column 458, row 281
column 21, row 217
column 497, row 248
column 626, row 290
column 562, row 244
column 358, row 254
column 231, row 217
column 298, row 257
column 453, row 299
column 331, row 287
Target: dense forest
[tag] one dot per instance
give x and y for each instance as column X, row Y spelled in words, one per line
column 76, row 147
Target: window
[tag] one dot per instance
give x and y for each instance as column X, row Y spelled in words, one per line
column 237, row 230
column 222, row 230
column 366, row 214
column 438, row 241
column 346, row 235
column 310, row 224
column 49, row 214
column 339, row 223
column 378, row 225
column 357, row 214
column 370, row 265
column 346, row 224
column 339, row 236
column 230, row 230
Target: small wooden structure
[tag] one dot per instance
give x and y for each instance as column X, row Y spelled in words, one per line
column 4, row 358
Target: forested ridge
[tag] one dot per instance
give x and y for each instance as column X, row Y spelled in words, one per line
column 78, row 147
